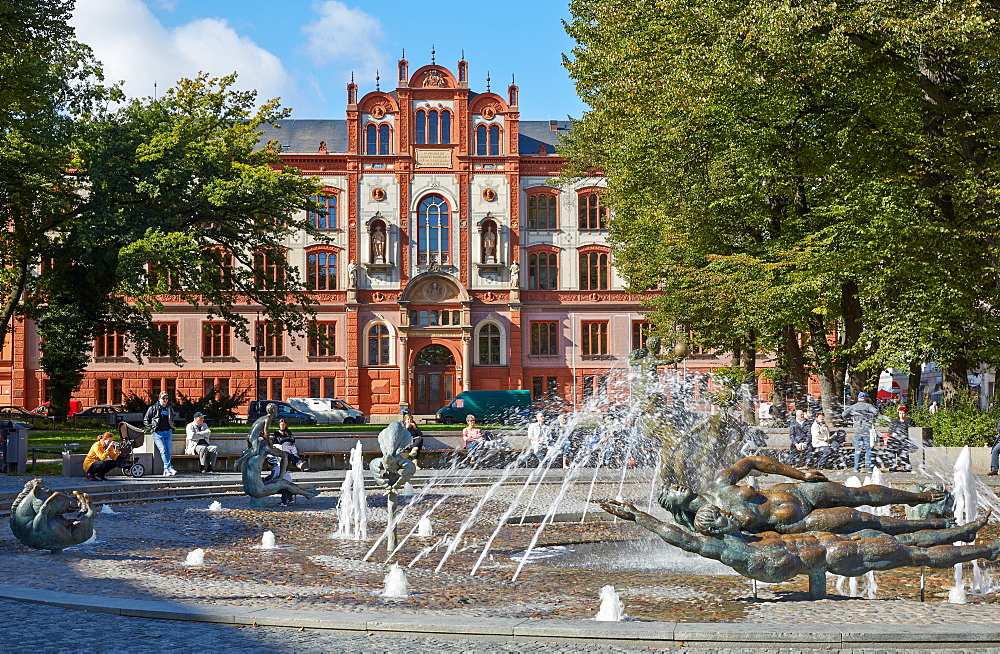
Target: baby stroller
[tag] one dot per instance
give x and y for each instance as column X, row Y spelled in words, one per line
column 132, row 437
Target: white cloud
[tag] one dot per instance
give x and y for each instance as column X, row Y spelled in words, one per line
column 344, row 38
column 135, row 47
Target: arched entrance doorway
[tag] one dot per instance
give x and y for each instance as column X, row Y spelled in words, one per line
column 433, row 379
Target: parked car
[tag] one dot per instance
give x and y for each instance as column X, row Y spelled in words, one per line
column 328, row 410
column 487, row 406
column 111, row 414
column 45, row 409
column 21, row 418
column 291, row 415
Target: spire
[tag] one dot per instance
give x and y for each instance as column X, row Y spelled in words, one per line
column 432, row 53
column 512, row 78
column 487, row 81
column 404, row 54
column 376, row 80
column 352, row 77
column 463, row 54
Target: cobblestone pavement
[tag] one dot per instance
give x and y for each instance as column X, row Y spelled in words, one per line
column 141, row 548
column 40, row 629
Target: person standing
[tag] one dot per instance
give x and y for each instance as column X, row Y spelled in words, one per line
column 995, row 453
column 160, row 420
column 418, row 438
column 864, row 415
column 197, row 441
column 800, row 435
column 821, row 442
column 898, row 445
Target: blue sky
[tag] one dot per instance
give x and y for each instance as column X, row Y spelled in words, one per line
column 305, row 52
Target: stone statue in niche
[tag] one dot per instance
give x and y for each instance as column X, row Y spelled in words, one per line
column 515, row 275
column 378, row 244
column 352, row 274
column 489, row 245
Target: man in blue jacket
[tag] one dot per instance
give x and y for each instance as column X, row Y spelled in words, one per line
column 863, row 414
column 159, row 419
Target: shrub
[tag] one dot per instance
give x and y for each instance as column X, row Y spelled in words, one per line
column 960, row 423
column 217, row 407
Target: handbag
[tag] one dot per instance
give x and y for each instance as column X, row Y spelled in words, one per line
column 872, row 438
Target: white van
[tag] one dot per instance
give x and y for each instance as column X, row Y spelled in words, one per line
column 328, row 410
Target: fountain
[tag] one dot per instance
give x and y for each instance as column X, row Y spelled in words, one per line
column 424, row 528
column 267, row 541
column 612, row 609
column 107, row 510
column 195, row 557
column 215, row 506
column 395, row 583
column 352, row 509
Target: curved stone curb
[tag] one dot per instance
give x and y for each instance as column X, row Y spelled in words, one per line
column 661, row 634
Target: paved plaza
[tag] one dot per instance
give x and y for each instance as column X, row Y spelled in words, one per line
column 315, row 593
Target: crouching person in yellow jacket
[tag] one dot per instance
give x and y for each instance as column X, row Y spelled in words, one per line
column 101, row 458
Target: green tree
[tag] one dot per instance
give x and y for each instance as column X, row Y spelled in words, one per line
column 176, row 197
column 48, row 82
column 780, row 169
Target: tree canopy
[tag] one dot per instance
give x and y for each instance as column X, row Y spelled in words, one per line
column 785, row 169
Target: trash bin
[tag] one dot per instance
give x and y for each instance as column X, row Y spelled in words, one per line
column 14, row 449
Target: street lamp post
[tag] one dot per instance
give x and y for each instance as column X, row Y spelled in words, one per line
column 258, row 350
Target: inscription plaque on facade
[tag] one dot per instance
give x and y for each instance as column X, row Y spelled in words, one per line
column 433, row 158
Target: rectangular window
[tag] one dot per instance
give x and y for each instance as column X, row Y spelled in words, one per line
column 117, row 395
column 269, row 269
column 588, row 386
column 541, row 212
column 168, row 332
column 216, row 340
column 537, row 389
column 272, row 337
column 543, row 271
column 157, row 386
column 219, row 385
column 640, row 332
column 322, row 340
column 543, row 338
column 330, row 387
column 102, row 391
column 109, row 346
column 552, row 387
column 595, row 338
column 270, row 388
column 594, row 271
column 326, row 218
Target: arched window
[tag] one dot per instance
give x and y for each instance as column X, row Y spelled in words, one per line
column 542, row 211
column 481, row 140
column 592, row 215
column 494, row 148
column 328, row 219
column 383, row 138
column 321, row 270
column 489, row 345
column 432, row 127
column 543, row 271
column 421, row 127
column 594, row 271
column 377, row 137
column 433, row 242
column 379, row 344
column 446, row 127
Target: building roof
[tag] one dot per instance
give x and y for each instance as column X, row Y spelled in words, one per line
column 304, row 135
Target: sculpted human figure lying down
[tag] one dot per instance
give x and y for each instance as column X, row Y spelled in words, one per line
column 774, row 557
column 815, row 505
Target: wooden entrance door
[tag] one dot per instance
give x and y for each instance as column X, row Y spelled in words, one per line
column 434, row 379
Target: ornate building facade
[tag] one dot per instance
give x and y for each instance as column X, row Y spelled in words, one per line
column 453, row 263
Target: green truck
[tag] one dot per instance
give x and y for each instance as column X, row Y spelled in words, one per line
column 487, row 406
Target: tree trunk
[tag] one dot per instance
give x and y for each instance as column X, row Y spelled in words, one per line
column 795, row 365
column 830, row 375
column 913, row 381
column 853, row 326
column 955, row 381
column 10, row 304
column 750, row 380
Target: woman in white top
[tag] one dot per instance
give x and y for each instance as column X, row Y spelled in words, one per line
column 821, row 442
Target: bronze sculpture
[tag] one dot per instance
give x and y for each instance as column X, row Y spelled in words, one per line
column 37, row 518
column 816, row 505
column 252, row 460
column 774, row 557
